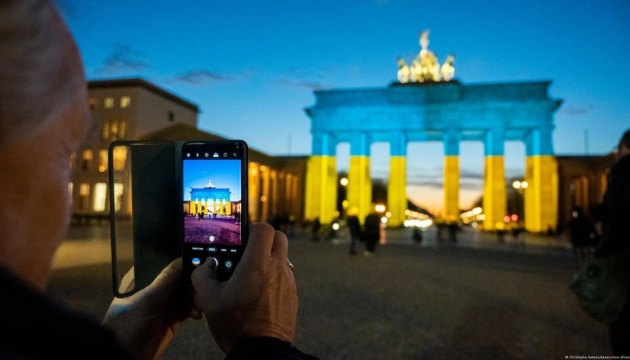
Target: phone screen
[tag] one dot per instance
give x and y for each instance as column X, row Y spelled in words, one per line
column 214, row 175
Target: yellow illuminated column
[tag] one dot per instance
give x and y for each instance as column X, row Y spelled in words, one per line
column 228, row 208
column 193, row 207
column 321, row 188
column 360, row 185
column 206, row 207
column 321, row 179
column 494, row 190
column 451, row 188
column 494, row 193
column 451, row 176
column 397, row 185
column 541, row 195
column 359, row 182
column 541, row 174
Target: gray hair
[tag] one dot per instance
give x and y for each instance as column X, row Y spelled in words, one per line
column 40, row 70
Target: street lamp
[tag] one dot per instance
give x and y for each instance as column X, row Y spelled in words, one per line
column 518, row 185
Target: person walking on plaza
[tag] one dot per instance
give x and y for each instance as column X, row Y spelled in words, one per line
column 371, row 233
column 315, row 229
column 615, row 240
column 355, row 229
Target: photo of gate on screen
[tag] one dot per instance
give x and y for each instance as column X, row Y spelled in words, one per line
column 212, row 198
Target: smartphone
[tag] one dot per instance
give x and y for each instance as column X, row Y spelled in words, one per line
column 214, row 200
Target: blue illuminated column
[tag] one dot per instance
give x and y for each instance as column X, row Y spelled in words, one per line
column 541, row 174
column 451, row 175
column 397, row 185
column 321, row 179
column 359, row 182
column 494, row 191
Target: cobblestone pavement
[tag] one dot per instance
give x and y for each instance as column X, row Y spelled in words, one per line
column 477, row 299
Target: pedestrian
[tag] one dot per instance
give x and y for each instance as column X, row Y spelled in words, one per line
column 371, row 233
column 417, row 235
column 315, row 229
column 44, row 118
column 581, row 235
column 453, row 229
column 354, row 225
column 615, row 240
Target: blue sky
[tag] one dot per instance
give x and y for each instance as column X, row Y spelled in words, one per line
column 252, row 66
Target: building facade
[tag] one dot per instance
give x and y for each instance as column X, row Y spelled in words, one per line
column 134, row 109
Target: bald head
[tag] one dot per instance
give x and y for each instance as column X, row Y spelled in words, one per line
column 41, row 75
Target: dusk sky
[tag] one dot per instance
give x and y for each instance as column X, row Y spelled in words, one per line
column 252, row 66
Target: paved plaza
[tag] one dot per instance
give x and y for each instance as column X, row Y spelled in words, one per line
column 477, row 299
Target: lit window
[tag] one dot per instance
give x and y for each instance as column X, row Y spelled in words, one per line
column 100, row 197
column 92, row 102
column 70, row 188
column 118, row 193
column 117, row 129
column 120, row 156
column 102, row 160
column 121, row 129
column 108, row 102
column 106, row 130
column 87, row 159
column 125, row 102
column 84, row 193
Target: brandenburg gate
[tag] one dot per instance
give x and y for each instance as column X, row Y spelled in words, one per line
column 428, row 105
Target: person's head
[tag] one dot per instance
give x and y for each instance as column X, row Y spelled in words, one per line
column 44, row 117
column 623, row 149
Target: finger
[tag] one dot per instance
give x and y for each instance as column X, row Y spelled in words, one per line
column 280, row 249
column 260, row 241
column 205, row 282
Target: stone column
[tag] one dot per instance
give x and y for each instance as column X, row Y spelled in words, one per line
column 359, row 182
column 397, row 185
column 193, row 207
column 541, row 174
column 254, row 193
column 451, row 176
column 321, row 179
column 264, row 198
column 494, row 190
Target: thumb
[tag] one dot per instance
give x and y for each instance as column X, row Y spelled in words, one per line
column 204, row 280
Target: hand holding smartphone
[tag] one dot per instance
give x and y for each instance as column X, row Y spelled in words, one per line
column 214, row 202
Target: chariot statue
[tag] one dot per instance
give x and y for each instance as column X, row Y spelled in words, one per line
column 425, row 66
